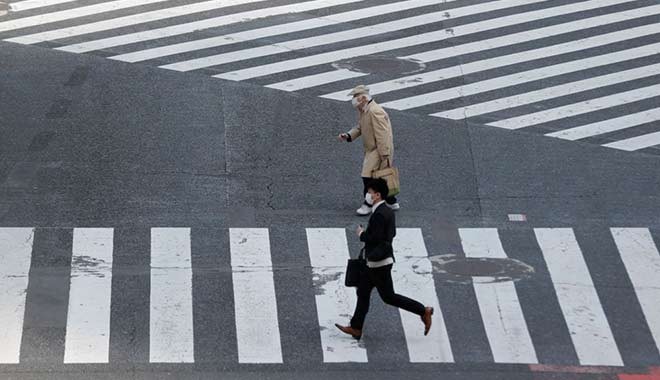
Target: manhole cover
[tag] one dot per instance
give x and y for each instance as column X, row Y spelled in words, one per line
column 381, row 65
column 455, row 268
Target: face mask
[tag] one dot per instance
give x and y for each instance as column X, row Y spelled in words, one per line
column 354, row 102
column 368, row 199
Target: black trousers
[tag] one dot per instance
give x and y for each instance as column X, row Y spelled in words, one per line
column 381, row 279
column 365, row 181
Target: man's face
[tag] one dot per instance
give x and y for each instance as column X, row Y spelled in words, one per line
column 360, row 99
column 374, row 196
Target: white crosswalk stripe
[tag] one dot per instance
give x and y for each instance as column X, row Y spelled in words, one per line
column 258, row 335
column 88, row 317
column 500, row 309
column 514, row 57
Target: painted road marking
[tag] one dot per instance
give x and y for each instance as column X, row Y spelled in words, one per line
column 88, row 317
column 591, row 105
column 68, row 14
column 609, row 125
column 275, row 30
column 119, row 22
column 551, row 92
column 15, row 256
column 413, row 277
column 257, row 328
column 579, row 302
column 419, row 39
column 637, row 142
column 171, row 315
column 500, row 308
column 642, row 261
column 191, row 27
column 328, row 252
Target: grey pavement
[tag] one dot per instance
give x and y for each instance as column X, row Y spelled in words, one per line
column 89, row 142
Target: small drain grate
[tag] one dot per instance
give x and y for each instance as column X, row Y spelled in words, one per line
column 381, row 65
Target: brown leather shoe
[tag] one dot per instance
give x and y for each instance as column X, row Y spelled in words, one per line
column 355, row 333
column 427, row 319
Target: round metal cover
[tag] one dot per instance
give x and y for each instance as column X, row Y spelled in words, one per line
column 375, row 64
column 455, row 268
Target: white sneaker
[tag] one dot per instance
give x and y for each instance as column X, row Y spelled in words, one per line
column 394, row 206
column 364, row 210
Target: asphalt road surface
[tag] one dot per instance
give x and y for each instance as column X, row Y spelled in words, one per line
column 165, row 224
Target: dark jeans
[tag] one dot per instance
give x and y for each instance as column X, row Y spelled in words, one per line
column 365, row 181
column 381, row 279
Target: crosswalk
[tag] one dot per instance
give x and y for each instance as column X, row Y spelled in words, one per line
column 563, row 256
column 582, row 70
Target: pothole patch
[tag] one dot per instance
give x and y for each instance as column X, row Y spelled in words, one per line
column 454, row 268
column 375, row 64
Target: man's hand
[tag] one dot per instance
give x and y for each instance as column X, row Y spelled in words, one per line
column 343, row 137
column 384, row 162
column 359, row 230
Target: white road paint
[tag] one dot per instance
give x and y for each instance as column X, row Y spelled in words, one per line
column 171, row 315
column 591, row 105
column 15, row 256
column 413, row 277
column 119, row 22
column 190, row 27
column 503, row 318
column 642, row 261
column 88, row 318
column 637, row 142
column 330, row 38
column 550, row 92
column 379, row 47
column 521, row 77
column 34, row 4
column 328, row 252
column 257, row 328
column 609, row 125
column 579, row 302
column 68, row 14
column 275, row 30
column 316, row 80
column 419, row 79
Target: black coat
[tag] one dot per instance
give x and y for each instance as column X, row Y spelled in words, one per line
column 379, row 234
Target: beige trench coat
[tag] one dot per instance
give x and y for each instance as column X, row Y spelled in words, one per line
column 376, row 130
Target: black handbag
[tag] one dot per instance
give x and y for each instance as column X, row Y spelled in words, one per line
column 355, row 268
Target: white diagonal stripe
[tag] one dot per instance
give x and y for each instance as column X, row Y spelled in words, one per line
column 637, row 142
column 518, row 78
column 579, row 108
column 325, row 39
column 332, row 56
column 315, row 80
column 413, row 276
column 88, row 317
column 15, row 256
column 503, row 318
column 171, row 313
column 275, row 30
column 255, row 305
column 190, row 27
column 328, row 252
column 526, row 36
column 642, row 261
column 609, row 125
column 579, row 302
column 119, row 22
column 550, row 92
column 33, row 4
column 68, row 14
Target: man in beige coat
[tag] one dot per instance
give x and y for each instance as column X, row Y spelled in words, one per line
column 376, row 130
